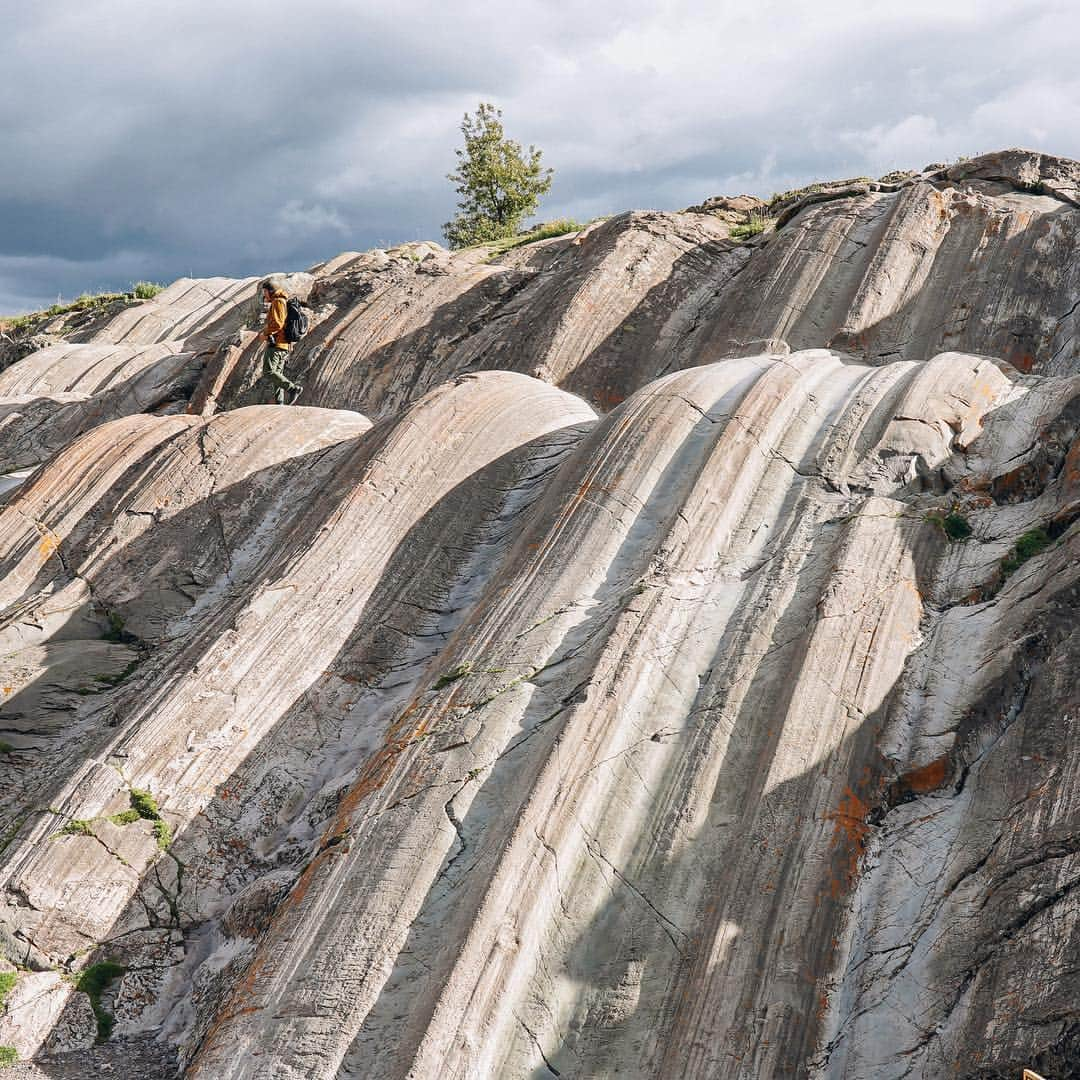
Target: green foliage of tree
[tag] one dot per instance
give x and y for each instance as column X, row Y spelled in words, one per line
column 499, row 183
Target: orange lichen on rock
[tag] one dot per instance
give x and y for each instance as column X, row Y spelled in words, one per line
column 929, row 777
column 850, row 832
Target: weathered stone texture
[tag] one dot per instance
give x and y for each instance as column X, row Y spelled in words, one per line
column 613, row 701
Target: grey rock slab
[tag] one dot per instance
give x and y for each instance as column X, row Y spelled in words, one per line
column 501, row 819
column 493, row 738
column 547, row 773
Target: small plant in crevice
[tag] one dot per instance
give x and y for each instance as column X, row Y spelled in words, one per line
column 93, row 981
column 163, row 834
column 1032, row 543
column 145, row 805
column 8, row 1056
column 953, row 524
column 7, row 984
column 454, row 674
column 115, row 631
column 117, row 678
column 77, row 827
column 16, row 825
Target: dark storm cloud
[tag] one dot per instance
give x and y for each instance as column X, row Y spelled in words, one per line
column 153, row 141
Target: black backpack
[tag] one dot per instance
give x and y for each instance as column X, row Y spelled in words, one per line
column 296, row 320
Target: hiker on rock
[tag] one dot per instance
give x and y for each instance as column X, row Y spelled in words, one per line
column 278, row 346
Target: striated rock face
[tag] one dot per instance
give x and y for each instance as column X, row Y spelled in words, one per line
column 648, row 655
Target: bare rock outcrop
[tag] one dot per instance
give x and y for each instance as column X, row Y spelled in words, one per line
column 650, row 654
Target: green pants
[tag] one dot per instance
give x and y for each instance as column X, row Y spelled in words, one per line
column 274, row 361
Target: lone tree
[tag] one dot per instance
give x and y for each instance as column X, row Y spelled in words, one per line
column 498, row 183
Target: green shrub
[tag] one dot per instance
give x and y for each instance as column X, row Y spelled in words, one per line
column 92, row 981
column 8, row 1056
column 953, row 524
column 116, row 632
column 146, row 290
column 1032, row 543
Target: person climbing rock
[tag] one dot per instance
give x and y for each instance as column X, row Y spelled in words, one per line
column 276, row 355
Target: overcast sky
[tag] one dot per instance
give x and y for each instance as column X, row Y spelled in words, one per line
column 152, row 141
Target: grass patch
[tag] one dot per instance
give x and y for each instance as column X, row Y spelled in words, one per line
column 541, row 232
column 8, row 1056
column 25, row 324
column 77, row 827
column 125, row 817
column 897, row 176
column 8, row 979
column 86, row 302
column 144, row 804
column 1030, row 544
column 754, row 226
column 6, row 747
column 93, row 981
column 554, row 228
column 795, row 194
column 953, row 524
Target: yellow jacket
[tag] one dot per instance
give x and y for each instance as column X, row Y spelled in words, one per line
column 275, row 320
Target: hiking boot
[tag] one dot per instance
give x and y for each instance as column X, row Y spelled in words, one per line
column 295, row 394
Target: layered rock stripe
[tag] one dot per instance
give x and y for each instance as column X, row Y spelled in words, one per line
column 582, row 681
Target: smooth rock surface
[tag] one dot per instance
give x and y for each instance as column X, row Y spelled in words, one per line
column 581, row 681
